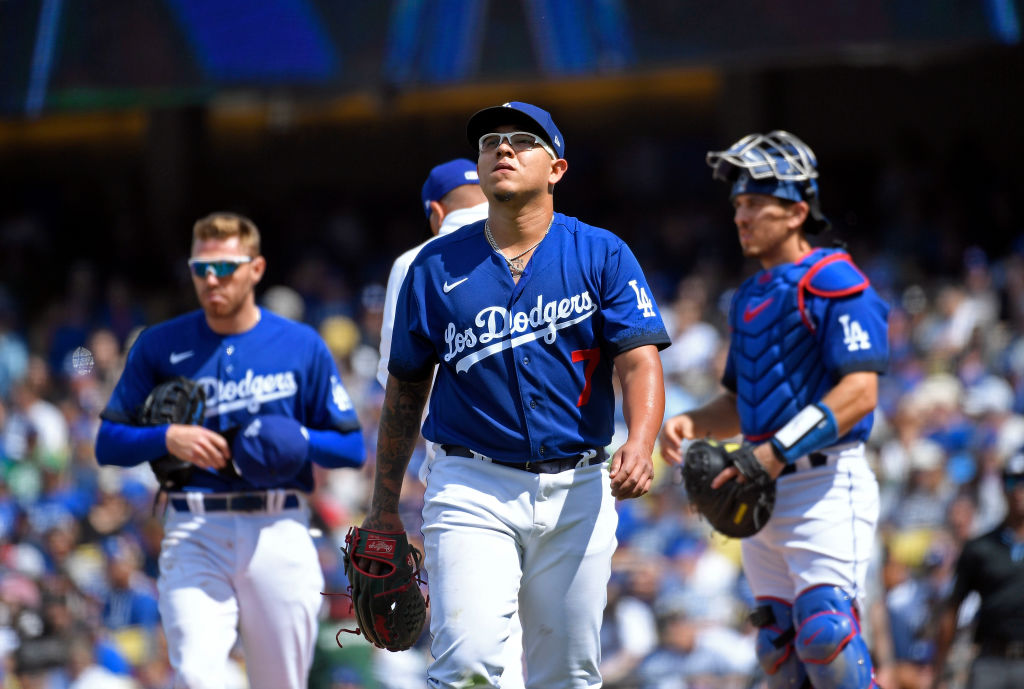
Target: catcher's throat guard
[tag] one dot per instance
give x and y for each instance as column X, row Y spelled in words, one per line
column 734, row 509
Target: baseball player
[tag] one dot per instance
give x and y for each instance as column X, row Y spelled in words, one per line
column 526, row 315
column 236, row 554
column 451, row 198
column 809, row 338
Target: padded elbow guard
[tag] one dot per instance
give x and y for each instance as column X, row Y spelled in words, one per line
column 828, row 640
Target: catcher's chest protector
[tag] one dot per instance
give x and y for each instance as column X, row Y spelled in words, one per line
column 777, row 360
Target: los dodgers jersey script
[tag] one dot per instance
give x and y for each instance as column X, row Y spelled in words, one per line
column 520, row 363
column 277, row 367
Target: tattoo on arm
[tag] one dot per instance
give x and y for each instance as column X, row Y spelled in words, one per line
column 399, row 429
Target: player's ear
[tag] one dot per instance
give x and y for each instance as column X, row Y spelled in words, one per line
column 798, row 213
column 258, row 267
column 437, row 214
column 558, row 168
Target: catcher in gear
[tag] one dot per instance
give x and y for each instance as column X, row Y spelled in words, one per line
column 734, row 508
column 808, row 341
column 383, row 572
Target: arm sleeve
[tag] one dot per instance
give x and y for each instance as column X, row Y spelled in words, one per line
column 335, row 450
column 412, row 352
column 123, row 445
column 328, row 406
column 854, row 333
column 335, row 438
column 631, row 318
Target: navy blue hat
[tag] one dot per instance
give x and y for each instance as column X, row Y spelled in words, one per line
column 270, row 449
column 528, row 117
column 445, row 177
column 770, row 186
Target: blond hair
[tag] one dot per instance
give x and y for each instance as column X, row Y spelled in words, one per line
column 226, row 225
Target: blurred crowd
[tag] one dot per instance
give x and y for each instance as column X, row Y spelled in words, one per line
column 79, row 544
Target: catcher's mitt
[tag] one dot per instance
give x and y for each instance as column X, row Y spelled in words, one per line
column 734, row 509
column 178, row 400
column 389, row 606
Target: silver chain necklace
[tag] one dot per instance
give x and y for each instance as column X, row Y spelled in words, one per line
column 516, row 264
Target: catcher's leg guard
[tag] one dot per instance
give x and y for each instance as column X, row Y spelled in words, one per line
column 774, row 620
column 828, row 640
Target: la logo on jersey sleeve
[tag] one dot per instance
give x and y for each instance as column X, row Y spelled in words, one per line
column 854, row 336
column 339, row 395
column 643, row 302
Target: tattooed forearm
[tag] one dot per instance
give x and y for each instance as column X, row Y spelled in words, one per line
column 399, row 429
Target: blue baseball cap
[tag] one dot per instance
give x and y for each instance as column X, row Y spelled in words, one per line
column 771, row 186
column 270, row 449
column 445, row 177
column 528, row 117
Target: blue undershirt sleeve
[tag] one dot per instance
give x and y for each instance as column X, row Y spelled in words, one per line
column 334, row 449
column 123, row 445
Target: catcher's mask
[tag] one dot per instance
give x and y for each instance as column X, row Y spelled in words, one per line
column 778, row 164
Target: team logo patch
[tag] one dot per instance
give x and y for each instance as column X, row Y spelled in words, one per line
column 750, row 314
column 854, row 336
column 380, row 545
column 253, row 429
column 643, row 302
column 338, row 394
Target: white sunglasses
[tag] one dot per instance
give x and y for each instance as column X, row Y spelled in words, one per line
column 519, row 141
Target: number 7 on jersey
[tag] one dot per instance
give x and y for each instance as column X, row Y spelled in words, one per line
column 592, row 357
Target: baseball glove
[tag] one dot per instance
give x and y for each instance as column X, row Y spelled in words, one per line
column 389, row 606
column 178, row 400
column 735, row 509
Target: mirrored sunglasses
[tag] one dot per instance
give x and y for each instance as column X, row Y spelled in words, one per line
column 519, row 141
column 218, row 267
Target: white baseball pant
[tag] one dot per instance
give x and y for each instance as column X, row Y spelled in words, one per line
column 499, row 540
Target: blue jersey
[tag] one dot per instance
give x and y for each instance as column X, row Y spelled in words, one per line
column 797, row 329
column 524, row 369
column 277, row 367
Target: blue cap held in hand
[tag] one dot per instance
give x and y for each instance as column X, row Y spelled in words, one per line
column 270, row 449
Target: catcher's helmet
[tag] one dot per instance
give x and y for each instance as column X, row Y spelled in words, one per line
column 777, row 164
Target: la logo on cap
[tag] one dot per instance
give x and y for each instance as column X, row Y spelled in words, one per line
column 471, row 174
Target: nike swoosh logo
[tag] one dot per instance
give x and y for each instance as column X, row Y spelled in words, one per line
column 178, row 357
column 448, row 288
column 750, row 314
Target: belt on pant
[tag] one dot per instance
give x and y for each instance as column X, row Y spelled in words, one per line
column 811, row 461
column 544, row 466
column 1013, row 650
column 234, row 502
